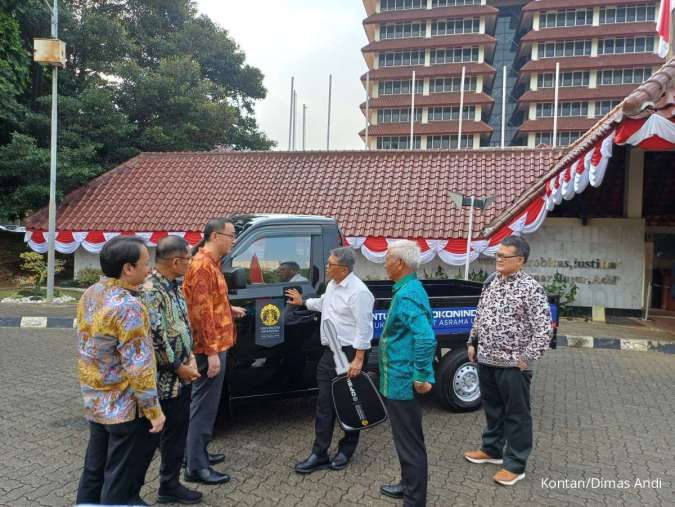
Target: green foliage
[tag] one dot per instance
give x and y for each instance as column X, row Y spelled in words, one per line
column 439, row 274
column 141, row 75
column 88, row 276
column 561, row 286
column 36, row 265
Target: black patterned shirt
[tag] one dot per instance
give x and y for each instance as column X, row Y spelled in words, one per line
column 513, row 321
column 170, row 329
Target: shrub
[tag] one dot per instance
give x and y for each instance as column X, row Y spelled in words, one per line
column 561, row 286
column 36, row 264
column 88, row 276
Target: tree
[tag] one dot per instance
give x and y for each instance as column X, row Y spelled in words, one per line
column 142, row 75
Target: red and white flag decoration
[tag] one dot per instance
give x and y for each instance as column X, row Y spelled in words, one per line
column 663, row 24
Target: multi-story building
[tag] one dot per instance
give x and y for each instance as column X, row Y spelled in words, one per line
column 605, row 49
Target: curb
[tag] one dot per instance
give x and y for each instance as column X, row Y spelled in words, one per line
column 38, row 322
column 610, row 343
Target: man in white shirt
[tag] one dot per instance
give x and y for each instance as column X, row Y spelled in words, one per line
column 289, row 271
column 348, row 303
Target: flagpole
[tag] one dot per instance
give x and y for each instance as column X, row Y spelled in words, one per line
column 330, row 98
column 367, row 104
column 412, row 110
column 461, row 108
column 555, row 105
column 290, row 115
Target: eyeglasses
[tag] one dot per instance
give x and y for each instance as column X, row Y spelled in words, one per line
column 333, row 265
column 231, row 236
column 188, row 259
column 503, row 256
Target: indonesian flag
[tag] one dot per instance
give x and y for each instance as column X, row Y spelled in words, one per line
column 663, row 24
column 255, row 273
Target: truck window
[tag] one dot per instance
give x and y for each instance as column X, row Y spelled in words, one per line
column 277, row 259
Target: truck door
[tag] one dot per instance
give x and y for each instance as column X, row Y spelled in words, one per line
column 277, row 345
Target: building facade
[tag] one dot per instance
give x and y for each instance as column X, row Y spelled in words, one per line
column 605, row 49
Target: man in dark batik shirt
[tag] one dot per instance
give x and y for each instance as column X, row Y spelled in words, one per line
column 176, row 365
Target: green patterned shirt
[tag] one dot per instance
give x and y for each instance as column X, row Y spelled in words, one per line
column 170, row 328
column 408, row 342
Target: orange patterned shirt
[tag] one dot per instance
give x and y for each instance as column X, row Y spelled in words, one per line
column 209, row 310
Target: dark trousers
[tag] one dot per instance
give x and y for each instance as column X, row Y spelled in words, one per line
column 173, row 439
column 117, row 458
column 325, row 411
column 405, row 417
column 204, row 406
column 506, row 400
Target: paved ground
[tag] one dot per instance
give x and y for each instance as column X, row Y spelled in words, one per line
column 659, row 328
column 598, row 415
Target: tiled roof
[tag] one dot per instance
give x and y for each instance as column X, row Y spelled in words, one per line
column 439, row 13
column 546, row 124
column 433, row 99
column 447, row 70
column 431, row 128
column 657, row 94
column 376, row 193
column 470, row 39
column 588, row 32
column 593, row 62
column 577, row 93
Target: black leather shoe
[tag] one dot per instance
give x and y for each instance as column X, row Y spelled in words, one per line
column 137, row 501
column 216, row 458
column 312, row 464
column 339, row 461
column 179, row 494
column 206, row 476
column 392, row 490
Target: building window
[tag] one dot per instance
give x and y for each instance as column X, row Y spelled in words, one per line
column 602, row 107
column 559, row 49
column 399, row 87
column 402, row 5
column 564, row 138
column 454, row 55
column 627, row 14
column 398, row 142
column 624, row 76
column 401, row 30
column 452, row 84
column 449, row 113
column 621, row 45
column 402, row 58
column 565, row 109
column 449, row 142
column 455, row 26
column 450, row 3
column 556, row 19
column 265, row 258
column 567, row 79
column 397, row 115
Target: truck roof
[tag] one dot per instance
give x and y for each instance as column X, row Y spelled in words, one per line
column 244, row 221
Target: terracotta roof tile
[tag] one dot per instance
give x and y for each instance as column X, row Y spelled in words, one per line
column 438, row 13
column 471, row 39
column 590, row 32
column 379, row 193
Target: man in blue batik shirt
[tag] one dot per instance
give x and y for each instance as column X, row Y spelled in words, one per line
column 406, row 352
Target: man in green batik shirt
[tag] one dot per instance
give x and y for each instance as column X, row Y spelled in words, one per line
column 176, row 365
column 406, row 352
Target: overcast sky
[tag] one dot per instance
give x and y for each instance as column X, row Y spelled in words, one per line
column 308, row 39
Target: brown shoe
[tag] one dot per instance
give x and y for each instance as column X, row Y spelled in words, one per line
column 481, row 457
column 506, row 478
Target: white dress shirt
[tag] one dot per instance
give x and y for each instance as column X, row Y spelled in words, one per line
column 298, row 278
column 349, row 305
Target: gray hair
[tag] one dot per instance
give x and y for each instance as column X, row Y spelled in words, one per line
column 406, row 250
column 345, row 256
column 521, row 246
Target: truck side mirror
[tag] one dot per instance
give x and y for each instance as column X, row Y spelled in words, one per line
column 236, row 278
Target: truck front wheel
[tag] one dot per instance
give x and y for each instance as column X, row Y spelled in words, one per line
column 457, row 385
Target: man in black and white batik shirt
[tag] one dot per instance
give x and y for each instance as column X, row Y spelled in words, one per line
column 511, row 331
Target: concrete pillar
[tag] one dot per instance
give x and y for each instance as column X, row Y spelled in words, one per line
column 649, row 268
column 534, row 85
column 634, row 186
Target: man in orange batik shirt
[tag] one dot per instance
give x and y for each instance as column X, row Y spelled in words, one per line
column 211, row 318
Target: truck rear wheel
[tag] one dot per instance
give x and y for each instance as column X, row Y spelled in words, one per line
column 457, row 385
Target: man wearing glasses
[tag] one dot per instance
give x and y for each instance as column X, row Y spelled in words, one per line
column 176, row 364
column 511, row 331
column 212, row 321
column 348, row 303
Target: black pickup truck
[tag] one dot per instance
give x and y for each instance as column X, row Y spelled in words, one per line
column 278, row 346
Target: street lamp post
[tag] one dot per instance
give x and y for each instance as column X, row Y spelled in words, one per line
column 52, row 52
column 470, row 201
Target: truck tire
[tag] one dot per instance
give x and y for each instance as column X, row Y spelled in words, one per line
column 457, row 382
